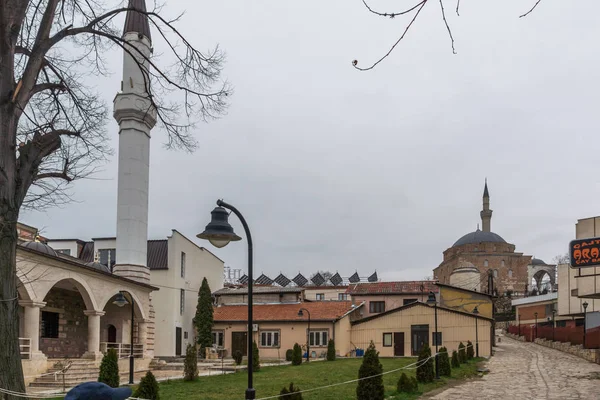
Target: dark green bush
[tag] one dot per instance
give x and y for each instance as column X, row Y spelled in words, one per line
column 148, row 388
column 414, row 384
column 238, row 356
column 462, row 354
column 109, row 369
column 470, row 350
column 331, row 350
column 291, row 393
column 444, row 360
column 297, row 355
column 370, row 389
column 288, row 354
column 407, row 385
column 190, row 364
column 425, row 372
column 455, row 362
column 255, row 357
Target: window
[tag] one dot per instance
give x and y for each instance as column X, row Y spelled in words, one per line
column 218, row 338
column 502, row 263
column 408, row 301
column 185, row 335
column 107, row 257
column 320, row 296
column 387, row 340
column 510, row 273
column 269, row 339
column 64, row 251
column 181, row 301
column 486, row 263
column 182, row 264
column 342, row 296
column 49, row 326
column 436, row 338
column 318, row 338
column 376, row 307
column 495, row 273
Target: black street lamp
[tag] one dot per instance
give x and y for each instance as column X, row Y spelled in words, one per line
column 432, row 301
column 553, row 325
column 220, row 233
column 535, row 314
column 301, row 314
column 120, row 301
column 585, row 304
column 476, row 312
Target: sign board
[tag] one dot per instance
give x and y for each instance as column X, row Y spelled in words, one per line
column 585, row 252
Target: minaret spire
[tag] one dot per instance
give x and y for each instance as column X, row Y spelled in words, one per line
column 136, row 116
column 486, row 213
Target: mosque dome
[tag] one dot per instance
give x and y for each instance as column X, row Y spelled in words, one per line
column 466, row 276
column 39, row 247
column 98, row 266
column 479, row 237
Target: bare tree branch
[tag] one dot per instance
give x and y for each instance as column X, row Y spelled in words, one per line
column 531, row 10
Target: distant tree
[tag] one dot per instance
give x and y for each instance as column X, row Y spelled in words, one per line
column 444, row 359
column 425, row 372
column 190, row 367
column 255, row 357
column 455, row 361
column 470, row 350
column 331, row 350
column 371, row 388
column 291, row 393
column 297, row 355
column 203, row 321
column 109, row 369
column 148, row 388
column 462, row 354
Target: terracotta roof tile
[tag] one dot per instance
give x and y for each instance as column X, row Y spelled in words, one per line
column 402, row 287
column 319, row 311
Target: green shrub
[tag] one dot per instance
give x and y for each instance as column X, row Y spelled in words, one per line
column 331, row 350
column 425, row 372
column 297, row 355
column 190, row 364
column 291, row 393
column 444, row 361
column 148, row 388
column 455, row 362
column 407, row 385
column 255, row 357
column 238, row 356
column 204, row 320
column 288, row 354
column 414, row 384
column 370, row 389
column 462, row 354
column 470, row 350
column 109, row 369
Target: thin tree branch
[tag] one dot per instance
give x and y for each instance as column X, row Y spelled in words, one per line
column 447, row 26
column 392, row 15
column 531, row 10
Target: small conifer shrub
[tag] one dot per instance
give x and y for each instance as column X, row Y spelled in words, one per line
column 148, row 388
column 109, row 369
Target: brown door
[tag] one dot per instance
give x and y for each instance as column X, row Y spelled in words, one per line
column 419, row 336
column 398, row 344
column 177, row 341
column 239, row 341
column 112, row 334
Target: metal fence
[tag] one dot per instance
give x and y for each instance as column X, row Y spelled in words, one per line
column 571, row 334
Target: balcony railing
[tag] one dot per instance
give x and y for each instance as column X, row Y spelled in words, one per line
column 25, row 347
column 123, row 349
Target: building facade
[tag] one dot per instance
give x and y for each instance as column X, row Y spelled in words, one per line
column 501, row 269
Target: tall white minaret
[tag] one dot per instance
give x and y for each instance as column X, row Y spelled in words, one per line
column 136, row 117
column 486, row 213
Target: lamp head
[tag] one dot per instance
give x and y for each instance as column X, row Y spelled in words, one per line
column 300, row 313
column 431, row 299
column 218, row 231
column 476, row 311
column 120, row 300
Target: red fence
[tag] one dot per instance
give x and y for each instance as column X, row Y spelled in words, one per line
column 572, row 334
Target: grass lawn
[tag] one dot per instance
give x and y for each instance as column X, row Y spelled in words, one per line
column 270, row 380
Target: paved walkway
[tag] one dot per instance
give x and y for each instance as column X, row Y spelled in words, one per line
column 529, row 371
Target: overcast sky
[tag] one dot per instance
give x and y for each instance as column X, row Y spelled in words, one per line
column 341, row 170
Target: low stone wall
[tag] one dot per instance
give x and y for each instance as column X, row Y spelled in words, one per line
column 591, row 355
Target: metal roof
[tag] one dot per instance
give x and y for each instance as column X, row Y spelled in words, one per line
column 136, row 21
column 258, row 289
column 479, row 237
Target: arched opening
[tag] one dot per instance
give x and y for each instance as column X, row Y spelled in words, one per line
column 542, row 282
column 112, row 334
column 63, row 323
column 510, row 273
column 485, row 263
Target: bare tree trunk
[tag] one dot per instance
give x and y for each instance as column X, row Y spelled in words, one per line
column 11, row 369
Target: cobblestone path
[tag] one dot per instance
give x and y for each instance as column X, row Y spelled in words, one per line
column 528, row 371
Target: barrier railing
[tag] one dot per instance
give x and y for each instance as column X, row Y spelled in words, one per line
column 123, row 349
column 25, row 347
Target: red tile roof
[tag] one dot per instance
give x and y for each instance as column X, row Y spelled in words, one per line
column 403, row 287
column 319, row 311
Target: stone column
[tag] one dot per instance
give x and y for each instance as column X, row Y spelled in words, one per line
column 142, row 336
column 31, row 325
column 93, row 334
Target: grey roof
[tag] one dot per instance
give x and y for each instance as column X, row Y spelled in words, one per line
column 537, row 261
column 486, row 192
column 136, row 21
column 39, row 247
column 258, row 289
column 98, row 266
column 479, row 237
column 157, row 254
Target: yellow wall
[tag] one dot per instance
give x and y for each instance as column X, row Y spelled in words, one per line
column 454, row 327
column 330, row 293
column 465, row 301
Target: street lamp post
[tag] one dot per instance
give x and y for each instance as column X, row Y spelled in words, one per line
column 585, row 304
column 219, row 232
column 432, row 301
column 553, row 325
column 120, row 301
column 535, row 314
column 476, row 312
column 301, row 314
